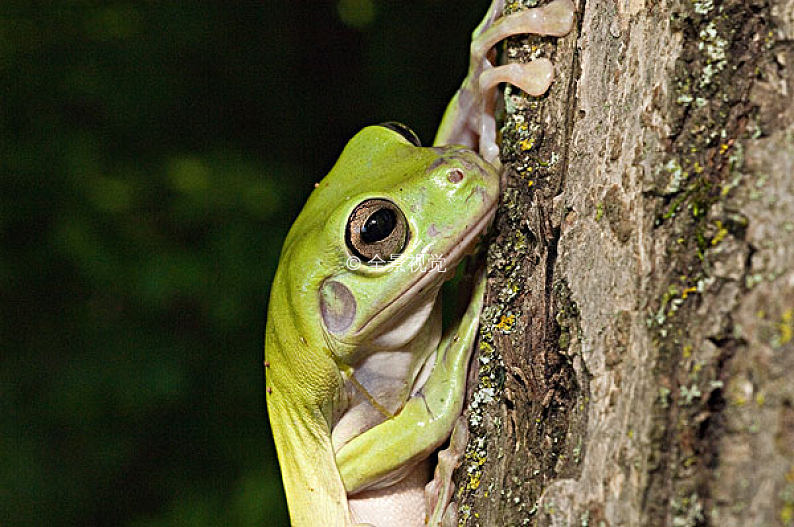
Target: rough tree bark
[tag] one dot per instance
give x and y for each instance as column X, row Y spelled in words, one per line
column 636, row 354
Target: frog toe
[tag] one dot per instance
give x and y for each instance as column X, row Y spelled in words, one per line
column 438, row 493
column 534, row 77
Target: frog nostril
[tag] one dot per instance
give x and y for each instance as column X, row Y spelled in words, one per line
column 455, row 176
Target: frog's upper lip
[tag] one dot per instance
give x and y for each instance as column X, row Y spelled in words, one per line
column 451, row 258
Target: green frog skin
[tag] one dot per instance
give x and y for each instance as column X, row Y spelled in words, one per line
column 362, row 384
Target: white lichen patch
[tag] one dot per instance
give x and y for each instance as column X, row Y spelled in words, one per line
column 677, row 176
column 714, row 48
column 487, row 391
column 702, row 7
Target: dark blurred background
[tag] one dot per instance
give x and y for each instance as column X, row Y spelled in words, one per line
column 153, row 156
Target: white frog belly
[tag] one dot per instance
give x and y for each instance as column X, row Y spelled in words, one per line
column 400, row 505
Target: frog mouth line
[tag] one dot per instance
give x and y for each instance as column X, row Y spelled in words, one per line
column 451, row 258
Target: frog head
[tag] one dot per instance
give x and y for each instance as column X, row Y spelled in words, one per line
column 381, row 232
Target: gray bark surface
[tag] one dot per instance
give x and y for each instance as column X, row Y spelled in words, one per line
column 636, row 356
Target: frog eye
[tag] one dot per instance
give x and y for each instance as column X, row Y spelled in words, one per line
column 407, row 134
column 376, row 231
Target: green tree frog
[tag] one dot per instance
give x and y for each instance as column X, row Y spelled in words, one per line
column 362, row 385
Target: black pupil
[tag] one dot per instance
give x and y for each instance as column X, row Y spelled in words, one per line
column 379, row 225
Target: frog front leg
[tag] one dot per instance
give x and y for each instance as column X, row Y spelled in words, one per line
column 393, row 448
column 469, row 118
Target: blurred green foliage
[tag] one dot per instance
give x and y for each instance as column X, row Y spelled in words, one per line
column 153, row 156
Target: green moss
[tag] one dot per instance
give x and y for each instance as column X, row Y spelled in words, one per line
column 599, row 211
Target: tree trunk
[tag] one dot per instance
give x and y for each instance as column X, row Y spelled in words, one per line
column 636, row 352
